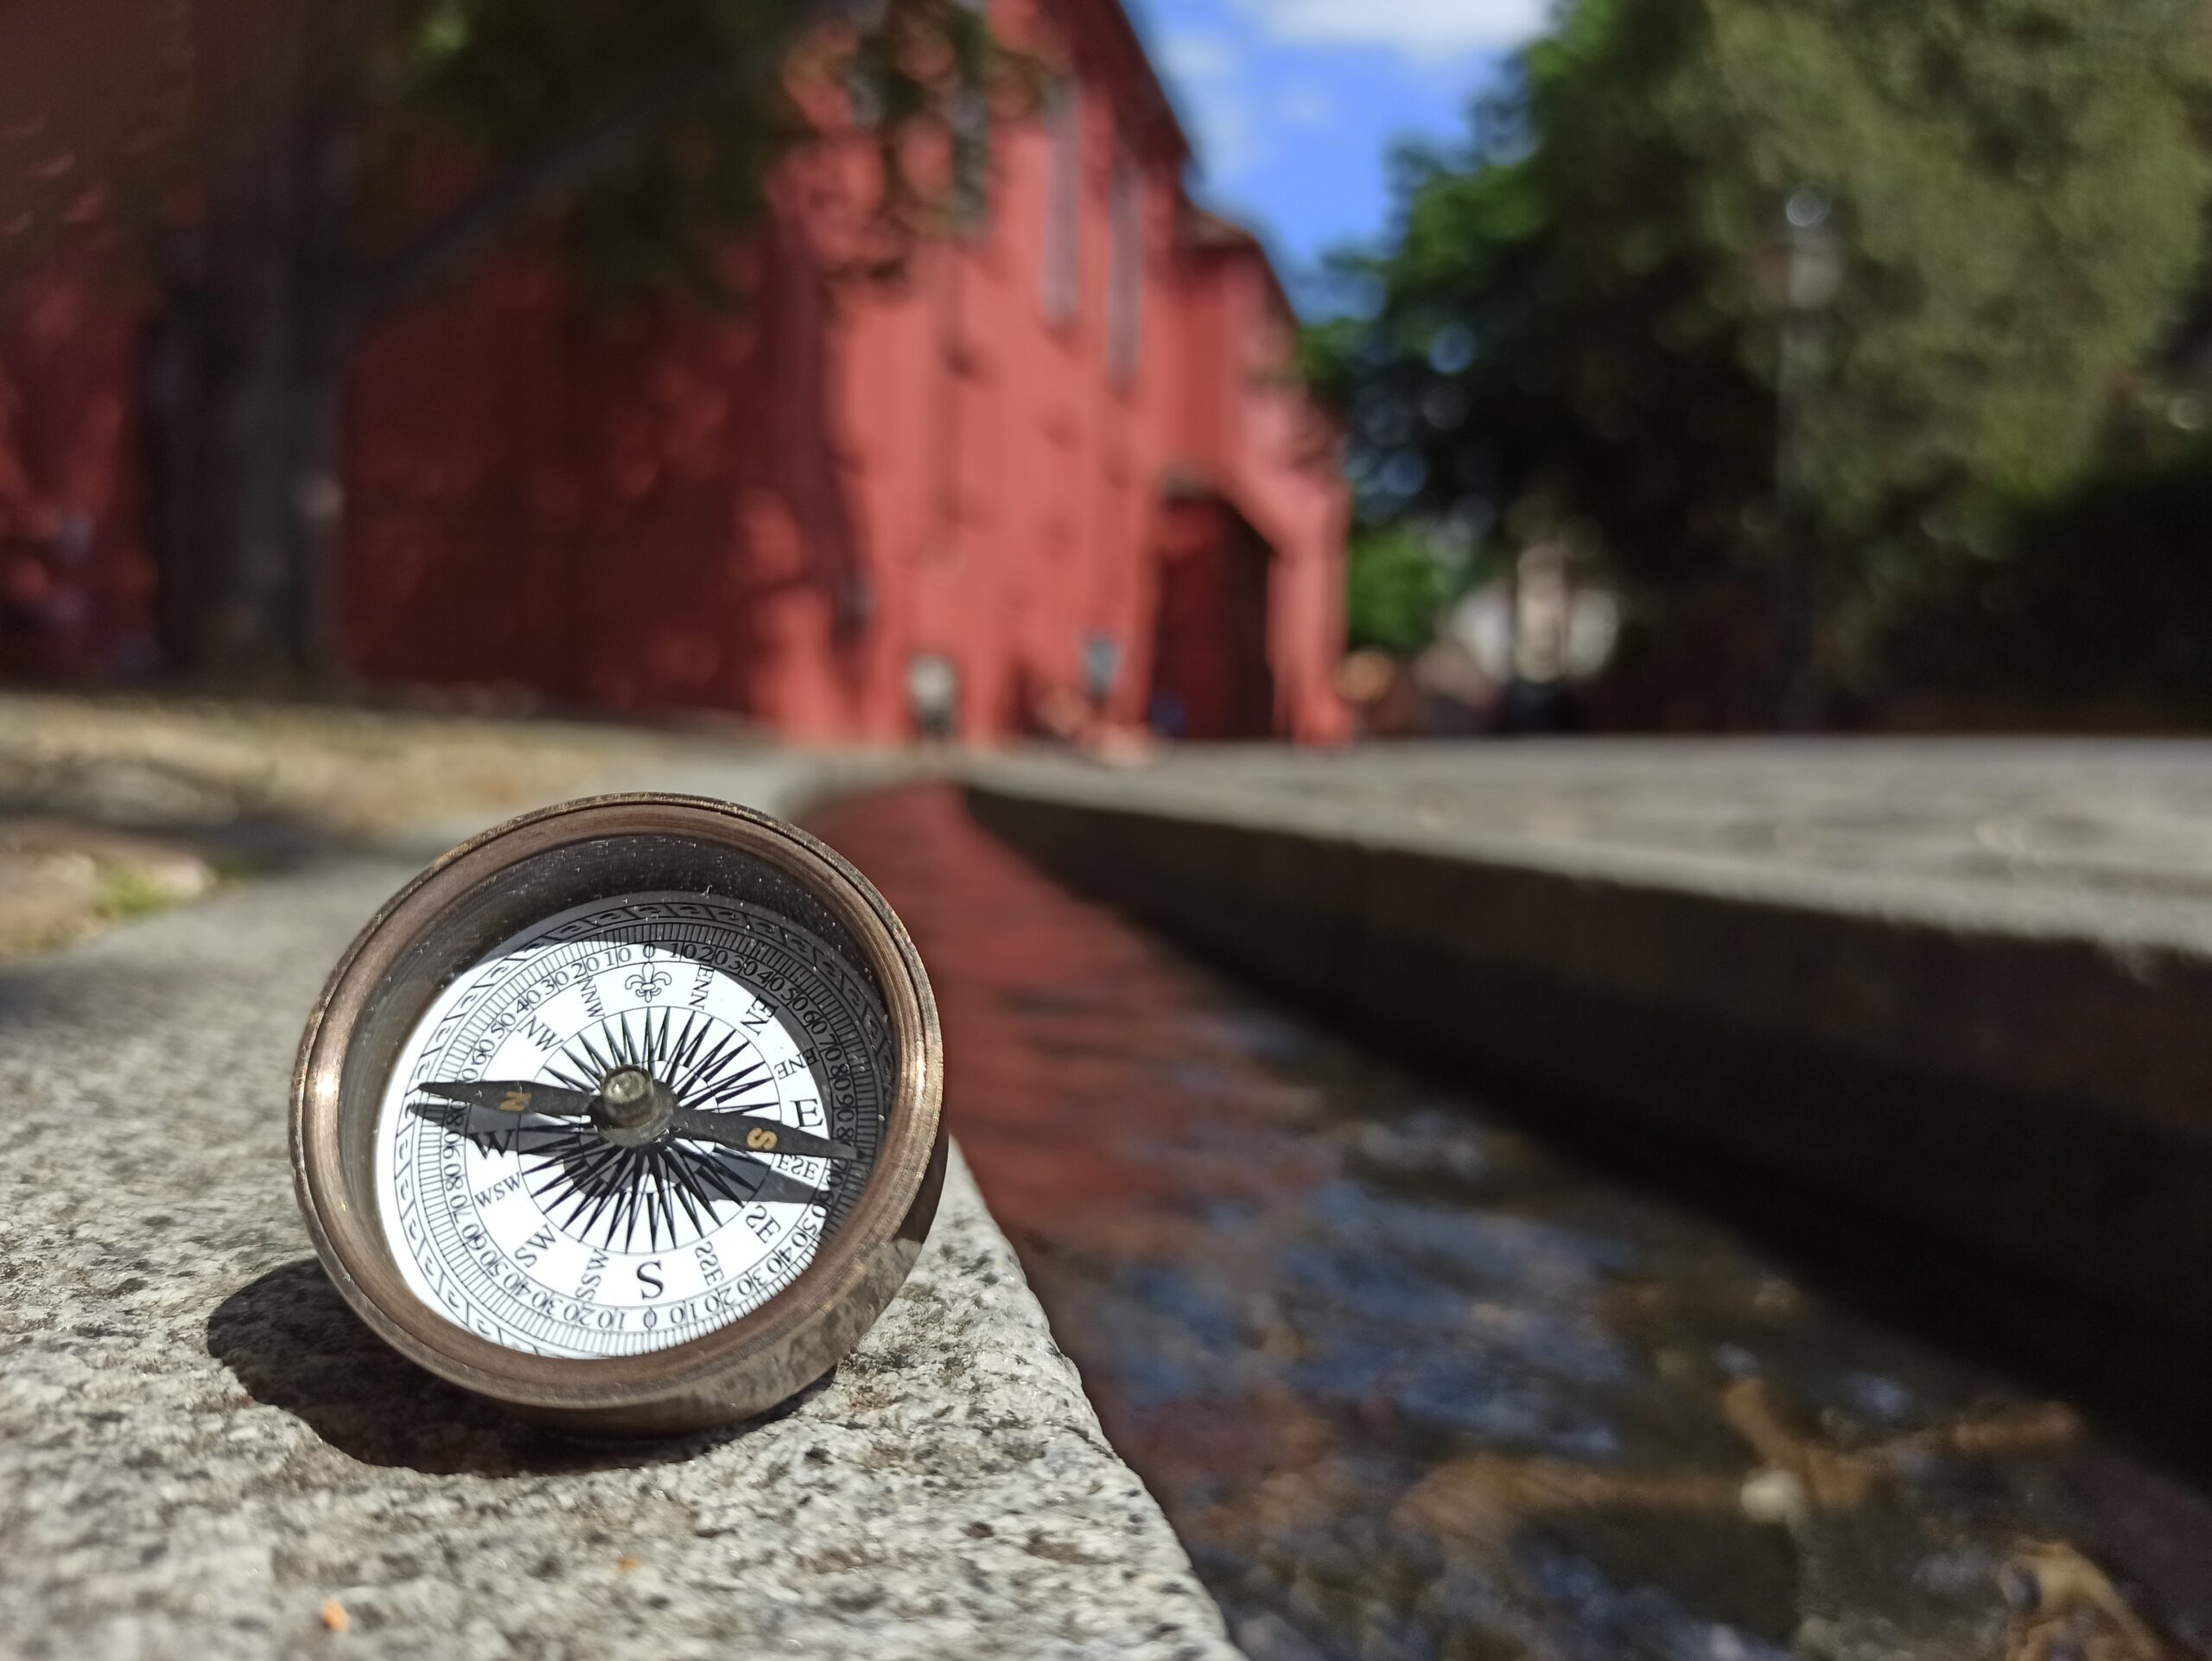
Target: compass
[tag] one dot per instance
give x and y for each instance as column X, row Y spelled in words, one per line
column 624, row 1115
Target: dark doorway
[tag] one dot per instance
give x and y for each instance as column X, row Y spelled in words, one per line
column 1211, row 677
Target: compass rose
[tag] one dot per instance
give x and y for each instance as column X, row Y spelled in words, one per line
column 646, row 1130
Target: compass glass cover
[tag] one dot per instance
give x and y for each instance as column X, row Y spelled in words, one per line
column 633, row 1124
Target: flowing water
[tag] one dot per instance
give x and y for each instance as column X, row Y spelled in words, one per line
column 1411, row 1383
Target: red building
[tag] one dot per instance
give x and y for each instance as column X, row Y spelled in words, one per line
column 1056, row 467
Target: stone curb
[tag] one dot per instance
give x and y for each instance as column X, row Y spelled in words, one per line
column 2026, row 1069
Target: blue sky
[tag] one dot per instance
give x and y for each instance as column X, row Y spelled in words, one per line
column 1294, row 104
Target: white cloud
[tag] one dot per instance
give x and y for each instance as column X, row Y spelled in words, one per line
column 1195, row 56
column 1419, row 29
column 1204, row 67
column 1228, row 139
column 1308, row 106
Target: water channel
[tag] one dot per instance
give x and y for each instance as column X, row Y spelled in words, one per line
column 1411, row 1383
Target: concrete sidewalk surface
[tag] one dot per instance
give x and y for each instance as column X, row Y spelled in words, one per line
column 203, row 1453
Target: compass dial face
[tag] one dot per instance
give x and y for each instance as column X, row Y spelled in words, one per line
column 759, row 1063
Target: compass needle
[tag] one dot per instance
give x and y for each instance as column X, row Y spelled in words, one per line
column 708, row 1171
column 706, row 1069
column 648, row 1210
column 550, row 1100
column 766, row 1184
column 666, row 1212
column 633, row 1199
column 686, row 1189
column 689, row 1044
column 568, row 1077
column 605, row 1196
column 748, row 1134
column 567, row 1170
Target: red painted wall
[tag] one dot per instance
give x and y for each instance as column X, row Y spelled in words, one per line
column 76, row 583
column 774, row 512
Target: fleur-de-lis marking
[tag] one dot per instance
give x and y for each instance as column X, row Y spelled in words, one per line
column 648, row 983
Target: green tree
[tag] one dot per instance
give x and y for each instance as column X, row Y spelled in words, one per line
column 283, row 176
column 1582, row 313
column 1398, row 588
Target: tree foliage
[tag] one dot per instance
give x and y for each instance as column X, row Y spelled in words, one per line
column 2100, row 608
column 511, row 80
column 648, row 133
column 282, row 174
column 1579, row 320
column 1397, row 588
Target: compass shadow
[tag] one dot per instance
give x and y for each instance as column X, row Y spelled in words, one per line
column 292, row 1343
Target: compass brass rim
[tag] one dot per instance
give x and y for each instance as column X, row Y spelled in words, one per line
column 755, row 1361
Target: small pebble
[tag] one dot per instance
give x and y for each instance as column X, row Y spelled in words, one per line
column 335, row 1617
column 1777, row 1497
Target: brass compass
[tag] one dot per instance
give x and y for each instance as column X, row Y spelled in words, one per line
column 625, row 1115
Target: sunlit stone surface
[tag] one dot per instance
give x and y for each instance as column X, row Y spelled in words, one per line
column 202, row 1454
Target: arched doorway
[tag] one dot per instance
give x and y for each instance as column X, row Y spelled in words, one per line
column 1212, row 675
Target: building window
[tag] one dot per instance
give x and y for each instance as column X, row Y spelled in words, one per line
column 972, row 147
column 1125, row 315
column 1064, row 203
column 971, row 161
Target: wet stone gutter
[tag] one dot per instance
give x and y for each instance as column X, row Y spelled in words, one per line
column 202, row 1454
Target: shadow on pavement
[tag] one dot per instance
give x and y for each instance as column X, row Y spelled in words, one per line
column 292, row 1342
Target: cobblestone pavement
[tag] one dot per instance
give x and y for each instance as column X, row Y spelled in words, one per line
column 338, row 772
column 202, row 1454
column 113, row 807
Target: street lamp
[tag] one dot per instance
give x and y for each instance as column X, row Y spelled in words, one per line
column 1810, row 272
column 933, row 695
